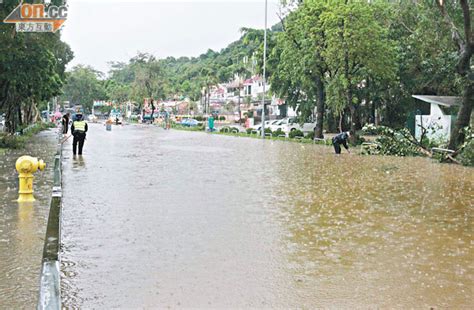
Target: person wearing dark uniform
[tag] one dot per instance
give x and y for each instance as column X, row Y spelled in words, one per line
column 78, row 129
column 341, row 139
column 65, row 123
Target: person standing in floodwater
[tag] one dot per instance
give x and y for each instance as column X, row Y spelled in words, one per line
column 78, row 129
column 65, row 123
column 211, row 123
column 341, row 139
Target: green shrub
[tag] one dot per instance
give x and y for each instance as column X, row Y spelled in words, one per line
column 222, row 118
column 249, row 130
column 225, row 129
column 8, row 141
column 234, row 130
column 279, row 132
column 467, row 155
column 17, row 141
column 295, row 133
column 310, row 135
column 370, row 129
column 267, row 131
column 393, row 142
column 200, row 127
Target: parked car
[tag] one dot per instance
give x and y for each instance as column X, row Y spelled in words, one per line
column 268, row 124
column 189, row 122
column 276, row 124
column 290, row 124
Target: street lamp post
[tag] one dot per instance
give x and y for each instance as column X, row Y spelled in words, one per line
column 264, row 69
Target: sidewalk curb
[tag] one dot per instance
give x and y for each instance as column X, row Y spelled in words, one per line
column 50, row 289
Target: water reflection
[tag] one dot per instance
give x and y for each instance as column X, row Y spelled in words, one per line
column 383, row 231
column 23, row 226
column 78, row 162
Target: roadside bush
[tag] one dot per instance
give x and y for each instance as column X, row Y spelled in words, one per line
column 295, row 133
column 8, row 141
column 225, row 129
column 12, row 141
column 249, row 130
column 393, row 142
column 278, row 132
column 310, row 135
column 267, row 131
column 222, row 118
column 466, row 157
column 228, row 129
column 370, row 129
column 199, row 118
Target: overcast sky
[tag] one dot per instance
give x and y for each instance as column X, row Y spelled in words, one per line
column 100, row 31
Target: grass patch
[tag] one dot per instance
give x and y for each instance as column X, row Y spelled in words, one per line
column 258, row 136
column 18, row 141
column 184, row 128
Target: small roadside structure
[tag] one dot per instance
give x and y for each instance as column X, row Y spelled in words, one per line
column 439, row 123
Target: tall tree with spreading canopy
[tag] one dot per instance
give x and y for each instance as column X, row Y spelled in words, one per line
column 84, row 85
column 357, row 47
column 31, row 69
column 464, row 42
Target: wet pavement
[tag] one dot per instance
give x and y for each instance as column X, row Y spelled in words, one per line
column 23, row 227
column 155, row 218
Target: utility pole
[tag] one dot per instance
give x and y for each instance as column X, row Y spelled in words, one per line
column 264, row 69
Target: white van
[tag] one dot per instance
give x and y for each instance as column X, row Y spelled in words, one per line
column 290, row 124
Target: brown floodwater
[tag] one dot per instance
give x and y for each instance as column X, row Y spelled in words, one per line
column 23, row 226
column 155, row 218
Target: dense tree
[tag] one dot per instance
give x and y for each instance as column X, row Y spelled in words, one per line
column 84, row 85
column 31, row 70
column 464, row 42
column 298, row 63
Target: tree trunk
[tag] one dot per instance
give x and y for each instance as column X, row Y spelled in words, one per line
column 331, row 118
column 240, row 112
column 341, row 116
column 465, row 46
column 353, row 127
column 208, row 100
column 349, row 98
column 10, row 123
column 372, row 112
column 20, row 121
column 318, row 133
column 152, row 110
column 464, row 116
column 354, row 115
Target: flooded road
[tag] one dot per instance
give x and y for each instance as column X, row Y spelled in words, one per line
column 180, row 219
column 23, row 227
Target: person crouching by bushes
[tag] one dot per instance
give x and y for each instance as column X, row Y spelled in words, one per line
column 341, row 139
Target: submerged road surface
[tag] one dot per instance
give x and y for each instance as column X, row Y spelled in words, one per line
column 23, row 226
column 155, row 218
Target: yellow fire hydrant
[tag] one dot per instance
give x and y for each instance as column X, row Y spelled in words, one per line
column 26, row 166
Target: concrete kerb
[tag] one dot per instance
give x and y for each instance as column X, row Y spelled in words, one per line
column 50, row 290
